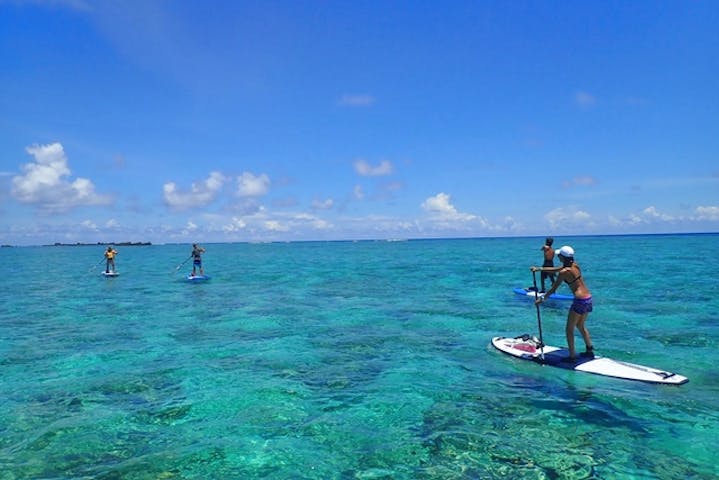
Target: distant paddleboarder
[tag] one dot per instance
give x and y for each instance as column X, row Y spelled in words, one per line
column 548, row 253
column 197, row 252
column 110, row 259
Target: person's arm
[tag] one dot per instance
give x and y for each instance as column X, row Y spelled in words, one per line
column 546, row 269
column 551, row 290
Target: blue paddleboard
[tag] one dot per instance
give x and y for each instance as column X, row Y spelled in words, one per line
column 528, row 292
column 197, row 278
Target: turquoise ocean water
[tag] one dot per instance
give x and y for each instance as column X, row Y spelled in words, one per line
column 366, row 360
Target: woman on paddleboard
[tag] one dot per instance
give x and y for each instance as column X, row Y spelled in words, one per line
column 570, row 273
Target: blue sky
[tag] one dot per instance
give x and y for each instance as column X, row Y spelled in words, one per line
column 182, row 121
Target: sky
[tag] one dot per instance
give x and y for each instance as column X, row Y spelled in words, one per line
column 194, row 121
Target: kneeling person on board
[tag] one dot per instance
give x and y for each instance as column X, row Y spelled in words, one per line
column 570, row 273
column 110, row 259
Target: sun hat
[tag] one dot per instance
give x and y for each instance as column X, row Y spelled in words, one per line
column 566, row 251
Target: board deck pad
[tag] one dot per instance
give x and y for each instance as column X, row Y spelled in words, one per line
column 530, row 292
column 526, row 347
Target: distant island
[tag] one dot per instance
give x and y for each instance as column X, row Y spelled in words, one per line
column 119, row 244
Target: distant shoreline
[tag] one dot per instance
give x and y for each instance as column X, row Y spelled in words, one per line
column 391, row 240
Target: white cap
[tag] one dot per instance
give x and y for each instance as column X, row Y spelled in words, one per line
column 566, row 251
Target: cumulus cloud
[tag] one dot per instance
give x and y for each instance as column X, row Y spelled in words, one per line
column 366, row 170
column 356, row 100
column 236, row 224
column 46, row 185
column 275, row 226
column 250, row 185
column 200, row 193
column 707, row 213
column 651, row 213
column 567, row 217
column 88, row 224
column 647, row 217
column 440, row 207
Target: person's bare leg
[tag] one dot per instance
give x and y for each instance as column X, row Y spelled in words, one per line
column 572, row 319
column 585, row 332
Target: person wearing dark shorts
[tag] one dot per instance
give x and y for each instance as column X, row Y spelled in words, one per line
column 197, row 252
column 570, row 273
column 548, row 253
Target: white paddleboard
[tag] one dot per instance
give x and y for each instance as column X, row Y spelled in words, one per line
column 110, row 274
column 526, row 347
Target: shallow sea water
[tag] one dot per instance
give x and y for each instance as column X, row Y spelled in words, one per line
column 366, row 360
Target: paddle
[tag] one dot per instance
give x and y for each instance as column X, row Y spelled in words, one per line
column 539, row 317
column 180, row 265
column 95, row 266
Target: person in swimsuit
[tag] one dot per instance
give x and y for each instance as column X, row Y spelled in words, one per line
column 197, row 252
column 110, row 259
column 548, row 252
column 570, row 273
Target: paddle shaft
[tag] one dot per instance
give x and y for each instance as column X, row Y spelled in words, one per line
column 185, row 261
column 95, row 266
column 539, row 316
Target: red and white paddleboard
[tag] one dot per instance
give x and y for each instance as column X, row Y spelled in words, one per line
column 526, row 347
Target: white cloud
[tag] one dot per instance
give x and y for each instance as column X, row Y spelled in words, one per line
column 567, row 217
column 200, row 194
column 509, row 225
column 275, row 226
column 707, row 213
column 652, row 214
column 323, row 204
column 235, row 225
column 366, row 170
column 45, row 182
column 441, row 208
column 315, row 222
column 357, row 100
column 249, row 185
